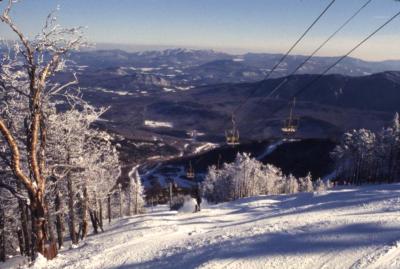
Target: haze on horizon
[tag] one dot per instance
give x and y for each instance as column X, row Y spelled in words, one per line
column 225, row 25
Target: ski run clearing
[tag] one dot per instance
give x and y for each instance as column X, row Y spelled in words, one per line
column 347, row 227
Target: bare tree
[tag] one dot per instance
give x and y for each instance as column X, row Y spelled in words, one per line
column 25, row 78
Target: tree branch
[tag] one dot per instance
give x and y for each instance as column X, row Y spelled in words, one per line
column 7, row 20
column 15, row 163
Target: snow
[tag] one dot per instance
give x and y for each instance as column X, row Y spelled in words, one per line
column 168, row 89
column 14, row 262
column 184, row 88
column 148, row 69
column 238, row 60
column 355, row 227
column 120, row 93
column 40, row 262
column 157, row 124
column 82, row 67
column 189, row 205
column 205, row 147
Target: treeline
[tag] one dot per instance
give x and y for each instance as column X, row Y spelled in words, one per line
column 247, row 177
column 367, row 157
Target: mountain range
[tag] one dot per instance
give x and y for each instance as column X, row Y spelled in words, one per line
column 183, row 68
column 159, row 99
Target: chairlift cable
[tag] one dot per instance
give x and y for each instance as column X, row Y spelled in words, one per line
column 286, row 54
column 319, row 48
column 301, row 90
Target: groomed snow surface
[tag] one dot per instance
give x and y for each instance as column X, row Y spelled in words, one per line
column 353, row 227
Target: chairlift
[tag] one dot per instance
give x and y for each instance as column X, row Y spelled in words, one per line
column 190, row 172
column 291, row 124
column 232, row 135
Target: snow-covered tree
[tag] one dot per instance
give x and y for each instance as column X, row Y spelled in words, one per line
column 246, row 177
column 273, row 180
column 364, row 156
column 9, row 223
column 25, row 75
column 53, row 157
column 320, row 186
column 306, row 184
column 89, row 161
column 292, row 185
column 135, row 193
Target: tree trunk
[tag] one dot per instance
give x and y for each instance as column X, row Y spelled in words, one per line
column 96, row 217
column 85, row 224
column 59, row 219
column 50, row 228
column 38, row 214
column 71, row 212
column 137, row 200
column 170, row 197
column 130, row 198
column 101, row 214
column 24, row 211
column 2, row 235
column 120, row 200
column 109, row 208
column 21, row 245
column 101, row 228
column 94, row 222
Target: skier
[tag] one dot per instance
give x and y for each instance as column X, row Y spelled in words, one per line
column 198, row 198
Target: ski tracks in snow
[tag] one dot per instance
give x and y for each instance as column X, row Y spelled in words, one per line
column 344, row 228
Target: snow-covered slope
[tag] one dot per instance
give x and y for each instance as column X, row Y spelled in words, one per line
column 344, row 228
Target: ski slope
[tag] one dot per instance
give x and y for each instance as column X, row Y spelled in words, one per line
column 344, row 228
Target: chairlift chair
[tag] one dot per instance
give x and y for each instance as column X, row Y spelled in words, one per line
column 232, row 135
column 291, row 124
column 190, row 172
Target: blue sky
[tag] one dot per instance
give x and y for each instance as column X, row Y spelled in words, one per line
column 227, row 25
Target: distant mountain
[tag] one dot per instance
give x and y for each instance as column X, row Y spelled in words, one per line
column 377, row 92
column 150, row 59
column 203, row 67
column 157, row 98
column 177, row 70
column 331, row 106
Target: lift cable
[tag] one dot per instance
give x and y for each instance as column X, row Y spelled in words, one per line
column 286, row 54
column 302, row 89
column 319, row 48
